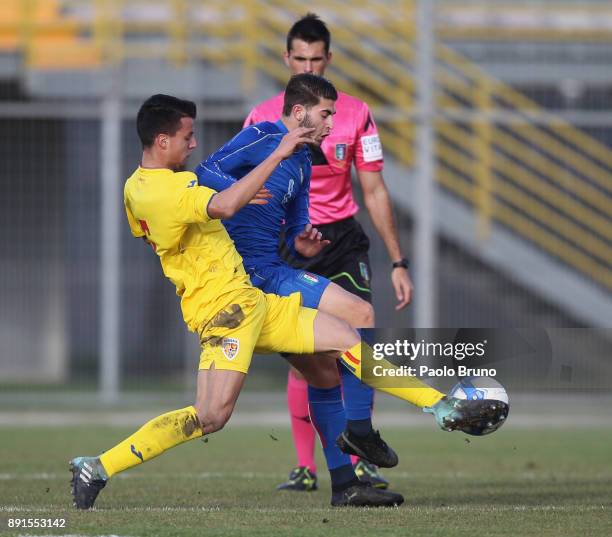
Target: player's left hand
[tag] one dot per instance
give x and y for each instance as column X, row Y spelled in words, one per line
column 310, row 241
column 403, row 287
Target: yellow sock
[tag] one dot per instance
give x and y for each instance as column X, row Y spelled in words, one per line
column 152, row 439
column 415, row 391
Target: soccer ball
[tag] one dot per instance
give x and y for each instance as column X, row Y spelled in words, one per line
column 482, row 389
column 479, row 388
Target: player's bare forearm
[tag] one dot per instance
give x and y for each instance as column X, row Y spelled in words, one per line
column 227, row 203
column 378, row 204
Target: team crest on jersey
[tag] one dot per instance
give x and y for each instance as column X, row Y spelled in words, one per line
column 340, row 151
column 310, row 279
column 230, row 347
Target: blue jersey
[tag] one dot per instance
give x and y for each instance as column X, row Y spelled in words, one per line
column 256, row 229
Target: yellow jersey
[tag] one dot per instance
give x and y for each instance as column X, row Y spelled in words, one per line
column 169, row 209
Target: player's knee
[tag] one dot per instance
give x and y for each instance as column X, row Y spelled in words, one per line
column 361, row 312
column 365, row 314
column 214, row 418
column 213, row 422
column 346, row 336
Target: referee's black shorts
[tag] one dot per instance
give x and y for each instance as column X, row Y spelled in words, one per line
column 345, row 261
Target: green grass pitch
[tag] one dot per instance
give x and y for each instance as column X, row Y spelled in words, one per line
column 517, row 482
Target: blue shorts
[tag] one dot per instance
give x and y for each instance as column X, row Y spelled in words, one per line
column 283, row 280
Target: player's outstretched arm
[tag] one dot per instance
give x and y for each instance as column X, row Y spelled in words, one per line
column 227, row 203
column 378, row 203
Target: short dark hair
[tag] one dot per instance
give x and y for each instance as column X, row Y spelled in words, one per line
column 307, row 89
column 161, row 114
column 309, row 28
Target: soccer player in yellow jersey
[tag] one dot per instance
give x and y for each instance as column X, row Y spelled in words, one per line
column 180, row 220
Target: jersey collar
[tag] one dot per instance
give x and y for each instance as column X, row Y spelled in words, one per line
column 282, row 126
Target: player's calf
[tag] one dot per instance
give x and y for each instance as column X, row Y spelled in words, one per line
column 213, row 419
column 216, row 397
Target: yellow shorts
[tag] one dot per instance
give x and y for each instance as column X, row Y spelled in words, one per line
column 256, row 322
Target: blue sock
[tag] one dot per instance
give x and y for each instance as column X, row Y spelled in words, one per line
column 358, row 401
column 328, row 418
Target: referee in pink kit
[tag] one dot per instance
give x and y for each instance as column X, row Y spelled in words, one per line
column 354, row 139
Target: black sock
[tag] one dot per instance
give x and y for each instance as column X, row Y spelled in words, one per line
column 343, row 477
column 359, row 427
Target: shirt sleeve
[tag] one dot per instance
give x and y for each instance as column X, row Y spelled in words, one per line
column 249, row 148
column 135, row 226
column 297, row 217
column 368, row 150
column 192, row 204
column 210, row 175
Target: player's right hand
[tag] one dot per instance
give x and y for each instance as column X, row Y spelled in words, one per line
column 262, row 197
column 293, row 139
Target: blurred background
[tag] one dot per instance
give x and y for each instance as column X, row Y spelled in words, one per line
column 496, row 124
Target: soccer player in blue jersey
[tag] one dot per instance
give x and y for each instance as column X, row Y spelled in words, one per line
column 309, row 101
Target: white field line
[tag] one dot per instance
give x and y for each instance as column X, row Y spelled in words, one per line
column 280, row 418
column 274, row 510
column 44, row 476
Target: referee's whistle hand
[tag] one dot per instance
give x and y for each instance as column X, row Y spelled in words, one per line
column 403, row 287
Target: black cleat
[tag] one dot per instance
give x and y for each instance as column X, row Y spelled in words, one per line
column 368, row 473
column 364, row 495
column 86, row 482
column 301, row 479
column 372, row 448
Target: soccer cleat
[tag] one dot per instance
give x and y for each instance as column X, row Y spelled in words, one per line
column 365, row 495
column 87, row 481
column 476, row 417
column 368, row 473
column 372, row 448
column 301, row 479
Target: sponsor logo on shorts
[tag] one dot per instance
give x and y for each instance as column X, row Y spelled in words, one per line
column 363, row 270
column 230, row 347
column 340, row 151
column 310, row 279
